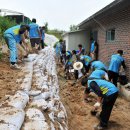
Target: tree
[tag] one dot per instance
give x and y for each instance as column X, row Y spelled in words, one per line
column 73, row 28
column 46, row 27
column 5, row 23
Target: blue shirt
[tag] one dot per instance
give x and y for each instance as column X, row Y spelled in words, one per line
column 92, row 46
column 86, row 59
column 107, row 88
column 14, row 31
column 43, row 35
column 57, row 49
column 100, row 74
column 33, row 33
column 115, row 63
column 69, row 60
column 81, row 52
column 98, row 65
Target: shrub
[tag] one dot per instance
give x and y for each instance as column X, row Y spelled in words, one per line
column 5, row 23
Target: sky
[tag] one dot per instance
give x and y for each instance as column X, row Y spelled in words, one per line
column 59, row 14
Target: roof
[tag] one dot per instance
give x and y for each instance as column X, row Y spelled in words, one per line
column 114, row 6
column 66, row 33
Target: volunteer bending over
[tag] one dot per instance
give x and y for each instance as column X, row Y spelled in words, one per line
column 13, row 36
column 107, row 94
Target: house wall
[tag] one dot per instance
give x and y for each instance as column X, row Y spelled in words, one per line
column 75, row 38
column 121, row 22
column 66, row 38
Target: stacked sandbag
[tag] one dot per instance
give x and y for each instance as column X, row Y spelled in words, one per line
column 12, row 112
column 35, row 120
column 11, row 118
column 44, row 95
column 38, row 98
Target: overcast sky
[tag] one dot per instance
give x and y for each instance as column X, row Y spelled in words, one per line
column 59, row 14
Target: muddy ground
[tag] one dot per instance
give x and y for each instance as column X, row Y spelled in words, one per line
column 8, row 78
column 79, row 117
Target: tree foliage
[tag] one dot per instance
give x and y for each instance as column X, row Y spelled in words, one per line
column 73, row 28
column 5, row 23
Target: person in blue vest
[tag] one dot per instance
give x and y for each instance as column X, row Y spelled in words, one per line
column 42, row 31
column 107, row 94
column 58, row 51
column 13, row 36
column 98, row 65
column 68, row 63
column 94, row 49
column 86, row 62
column 97, row 74
column 35, row 35
column 116, row 61
column 80, row 51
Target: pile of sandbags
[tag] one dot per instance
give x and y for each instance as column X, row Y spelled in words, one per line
column 37, row 105
column 12, row 112
column 45, row 93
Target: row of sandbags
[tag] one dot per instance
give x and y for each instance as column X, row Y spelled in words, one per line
column 44, row 96
column 12, row 112
column 44, row 111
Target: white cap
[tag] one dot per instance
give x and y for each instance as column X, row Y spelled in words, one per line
column 78, row 66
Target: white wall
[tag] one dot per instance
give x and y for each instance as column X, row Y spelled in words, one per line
column 74, row 38
column 66, row 38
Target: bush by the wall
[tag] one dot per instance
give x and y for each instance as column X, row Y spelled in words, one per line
column 5, row 23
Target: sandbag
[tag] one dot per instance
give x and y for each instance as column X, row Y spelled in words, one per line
column 41, row 103
column 36, row 120
column 44, row 95
column 12, row 117
column 34, row 92
column 26, row 85
column 19, row 100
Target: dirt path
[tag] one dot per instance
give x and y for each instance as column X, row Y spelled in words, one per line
column 79, row 116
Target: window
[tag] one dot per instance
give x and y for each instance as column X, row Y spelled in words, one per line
column 110, row 35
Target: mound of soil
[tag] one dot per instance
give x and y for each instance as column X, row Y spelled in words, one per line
column 8, row 78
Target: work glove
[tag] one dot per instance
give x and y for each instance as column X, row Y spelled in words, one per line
column 97, row 105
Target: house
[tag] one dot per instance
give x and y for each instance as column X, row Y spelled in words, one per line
column 19, row 18
column 72, row 39
column 14, row 15
column 110, row 27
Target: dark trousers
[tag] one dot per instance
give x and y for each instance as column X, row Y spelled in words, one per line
column 76, row 74
column 34, row 41
column 42, row 44
column 87, row 68
column 113, row 77
column 107, row 106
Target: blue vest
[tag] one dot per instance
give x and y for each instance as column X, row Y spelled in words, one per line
column 106, row 87
column 69, row 56
column 115, row 63
column 33, row 33
column 92, row 46
column 98, row 74
column 98, row 65
column 86, row 59
column 14, row 31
